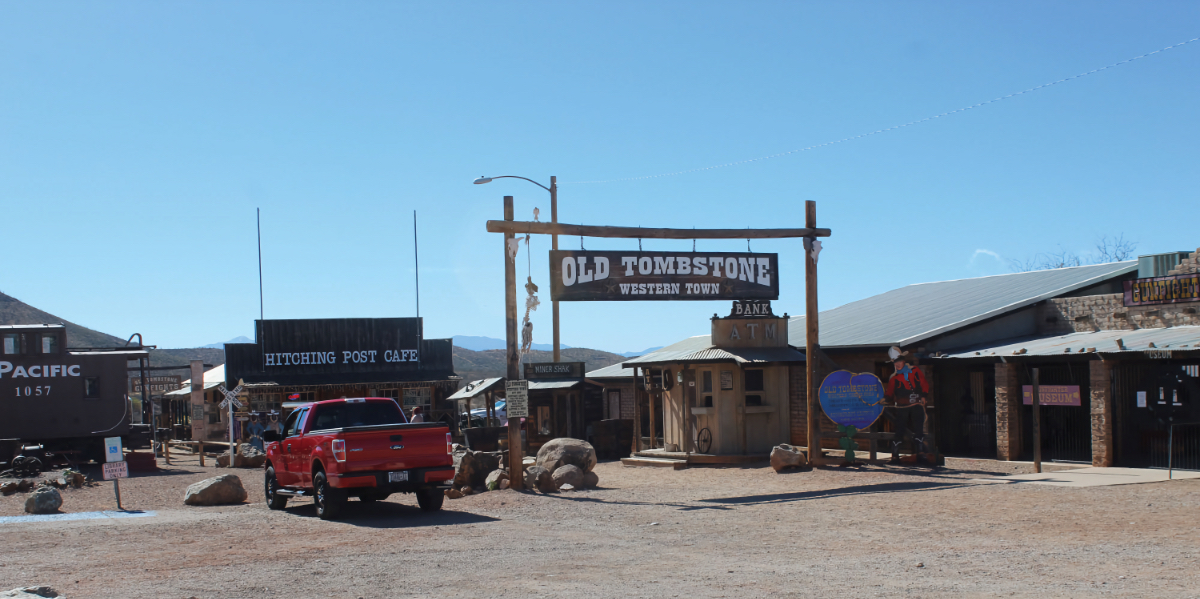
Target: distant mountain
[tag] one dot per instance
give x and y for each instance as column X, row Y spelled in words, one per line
column 475, row 365
column 486, row 343
column 221, row 346
column 15, row 311
column 630, row 354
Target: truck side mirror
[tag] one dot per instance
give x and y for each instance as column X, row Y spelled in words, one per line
column 270, row 436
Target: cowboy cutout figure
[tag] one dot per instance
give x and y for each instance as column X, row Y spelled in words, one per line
column 904, row 397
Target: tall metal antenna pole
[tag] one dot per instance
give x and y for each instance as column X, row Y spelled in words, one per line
column 416, row 264
column 258, row 214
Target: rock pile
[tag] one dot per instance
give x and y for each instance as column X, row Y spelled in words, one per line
column 219, row 490
column 249, row 456
column 561, row 465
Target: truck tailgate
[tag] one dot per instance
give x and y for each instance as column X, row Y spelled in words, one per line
column 395, row 447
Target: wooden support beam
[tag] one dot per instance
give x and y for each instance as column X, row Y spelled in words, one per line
column 516, row 471
column 812, row 341
column 540, row 228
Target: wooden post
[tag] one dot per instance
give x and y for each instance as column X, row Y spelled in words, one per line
column 197, row 400
column 1037, row 425
column 653, row 429
column 516, row 472
column 637, row 411
column 811, row 338
column 554, row 245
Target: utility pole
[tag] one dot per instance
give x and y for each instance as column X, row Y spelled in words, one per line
column 812, row 339
column 516, row 473
column 554, row 245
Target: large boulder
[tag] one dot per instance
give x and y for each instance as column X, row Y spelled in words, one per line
column 786, row 456
column 568, row 475
column 31, row 593
column 45, row 500
column 564, row 450
column 492, row 482
column 472, row 467
column 219, row 490
column 541, row 479
column 591, row 480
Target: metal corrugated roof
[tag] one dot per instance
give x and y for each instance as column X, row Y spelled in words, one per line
column 546, row 385
column 474, row 388
column 709, row 353
column 212, row 378
column 918, row 312
column 615, row 371
column 673, row 351
column 1101, row 342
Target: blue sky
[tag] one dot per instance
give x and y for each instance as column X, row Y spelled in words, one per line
column 137, row 139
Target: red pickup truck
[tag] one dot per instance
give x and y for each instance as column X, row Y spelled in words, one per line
column 364, row 447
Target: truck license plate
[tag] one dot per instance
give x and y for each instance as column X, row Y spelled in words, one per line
column 398, row 477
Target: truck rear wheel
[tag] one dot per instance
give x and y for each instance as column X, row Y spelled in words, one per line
column 329, row 501
column 430, row 499
column 275, row 501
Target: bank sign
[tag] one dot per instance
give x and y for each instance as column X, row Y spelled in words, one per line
column 648, row 276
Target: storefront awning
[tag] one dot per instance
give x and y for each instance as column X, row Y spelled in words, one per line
column 212, row 378
column 474, row 388
column 1099, row 342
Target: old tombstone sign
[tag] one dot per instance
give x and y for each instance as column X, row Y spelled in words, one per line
column 642, row 276
column 553, row 370
column 1053, row 395
column 851, row 399
column 517, row 398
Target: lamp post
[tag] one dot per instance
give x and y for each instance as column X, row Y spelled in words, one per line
column 553, row 189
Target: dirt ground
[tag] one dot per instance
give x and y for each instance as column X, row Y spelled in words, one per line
column 648, row 532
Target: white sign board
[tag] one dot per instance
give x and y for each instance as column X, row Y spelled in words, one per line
column 112, row 450
column 517, row 398
column 116, row 470
column 1141, row 399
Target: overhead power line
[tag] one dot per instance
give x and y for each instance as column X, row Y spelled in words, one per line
column 908, row 124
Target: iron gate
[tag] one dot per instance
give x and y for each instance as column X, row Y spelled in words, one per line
column 1147, row 398
column 1066, row 430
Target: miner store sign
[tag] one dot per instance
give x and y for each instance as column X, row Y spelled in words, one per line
column 642, row 276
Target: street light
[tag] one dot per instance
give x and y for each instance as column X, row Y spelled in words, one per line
column 553, row 189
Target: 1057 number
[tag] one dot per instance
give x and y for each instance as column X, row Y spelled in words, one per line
column 33, row 391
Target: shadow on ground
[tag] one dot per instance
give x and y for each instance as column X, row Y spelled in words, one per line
column 386, row 514
column 901, row 487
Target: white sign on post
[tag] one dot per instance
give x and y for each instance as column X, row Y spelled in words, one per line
column 112, row 450
column 116, row 470
column 517, row 398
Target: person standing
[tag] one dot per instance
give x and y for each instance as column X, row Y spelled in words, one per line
column 905, row 397
column 417, row 415
column 255, row 429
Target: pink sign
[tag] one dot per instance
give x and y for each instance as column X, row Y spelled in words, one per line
column 1053, row 395
column 116, row 470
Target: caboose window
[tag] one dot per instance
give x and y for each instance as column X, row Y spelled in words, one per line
column 49, row 344
column 91, row 387
column 12, row 343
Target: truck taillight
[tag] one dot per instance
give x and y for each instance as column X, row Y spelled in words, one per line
column 449, row 444
column 339, row 450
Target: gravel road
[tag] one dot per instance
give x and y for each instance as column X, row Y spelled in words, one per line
column 648, row 532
